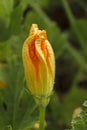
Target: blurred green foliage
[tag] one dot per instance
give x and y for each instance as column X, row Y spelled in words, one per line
column 80, row 122
column 17, row 108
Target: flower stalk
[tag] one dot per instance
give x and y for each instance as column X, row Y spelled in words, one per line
column 42, row 117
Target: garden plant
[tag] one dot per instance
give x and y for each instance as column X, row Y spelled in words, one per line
column 43, row 65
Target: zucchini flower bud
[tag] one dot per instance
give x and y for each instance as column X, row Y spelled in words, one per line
column 39, row 63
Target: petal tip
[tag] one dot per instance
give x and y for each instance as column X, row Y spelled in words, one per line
column 33, row 29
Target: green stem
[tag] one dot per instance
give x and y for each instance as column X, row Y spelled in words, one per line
column 42, row 117
column 73, row 24
column 77, row 57
column 40, row 12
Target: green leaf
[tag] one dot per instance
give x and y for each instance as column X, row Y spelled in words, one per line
column 44, row 3
column 85, row 103
column 6, row 7
column 8, row 127
column 16, row 20
column 3, row 30
column 17, row 106
column 72, row 100
column 80, row 123
column 82, row 26
column 10, row 48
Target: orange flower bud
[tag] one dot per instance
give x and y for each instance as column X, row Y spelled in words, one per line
column 39, row 62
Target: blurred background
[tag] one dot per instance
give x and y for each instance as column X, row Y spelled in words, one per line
column 66, row 24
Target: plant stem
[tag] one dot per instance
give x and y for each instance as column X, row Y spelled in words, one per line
column 74, row 25
column 41, row 13
column 42, row 117
column 77, row 57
